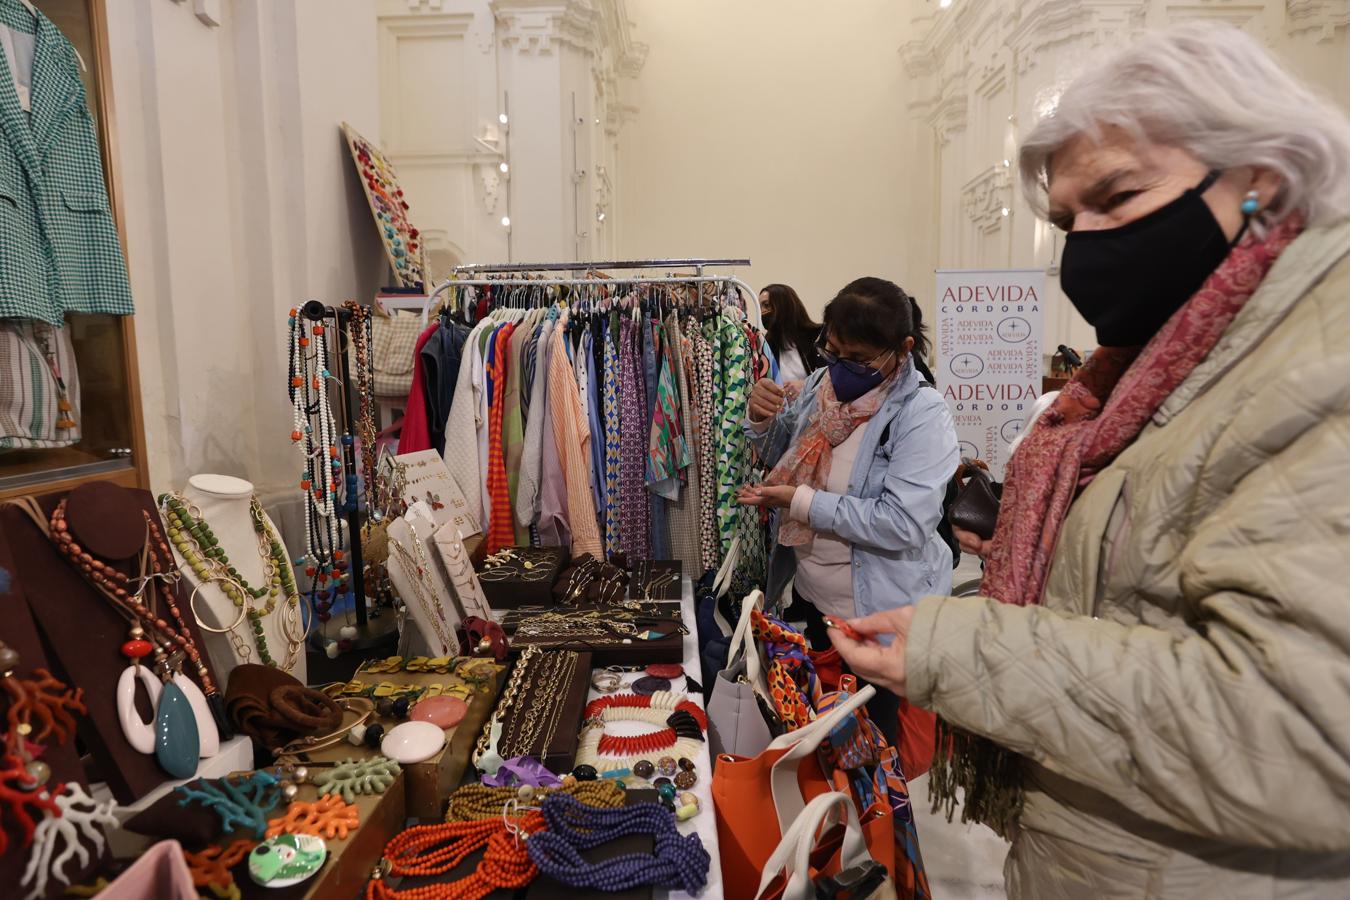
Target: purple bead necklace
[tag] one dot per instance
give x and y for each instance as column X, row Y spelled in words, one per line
column 676, row 862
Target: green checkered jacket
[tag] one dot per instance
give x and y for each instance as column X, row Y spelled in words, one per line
column 59, row 250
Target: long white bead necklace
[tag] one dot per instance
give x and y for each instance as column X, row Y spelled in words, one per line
column 311, row 411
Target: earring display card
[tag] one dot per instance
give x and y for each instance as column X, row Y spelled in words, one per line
column 402, row 242
column 426, row 478
column 419, row 581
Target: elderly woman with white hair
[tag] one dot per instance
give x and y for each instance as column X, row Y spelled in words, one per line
column 1152, row 696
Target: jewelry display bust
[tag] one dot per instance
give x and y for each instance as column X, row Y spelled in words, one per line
column 225, row 504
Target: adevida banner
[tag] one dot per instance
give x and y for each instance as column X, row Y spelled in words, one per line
column 989, row 355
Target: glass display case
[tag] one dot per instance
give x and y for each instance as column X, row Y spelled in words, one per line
column 112, row 441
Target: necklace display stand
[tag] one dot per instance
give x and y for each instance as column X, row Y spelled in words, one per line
column 224, row 502
column 428, row 599
column 81, row 629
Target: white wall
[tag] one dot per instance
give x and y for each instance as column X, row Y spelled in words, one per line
column 769, row 129
column 240, row 202
column 449, row 68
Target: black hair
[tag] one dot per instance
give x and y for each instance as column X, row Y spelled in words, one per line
column 878, row 313
column 791, row 325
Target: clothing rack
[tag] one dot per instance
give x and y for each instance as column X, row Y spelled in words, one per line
column 751, row 309
column 695, row 262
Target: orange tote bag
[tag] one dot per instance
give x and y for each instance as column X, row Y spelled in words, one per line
column 758, row 798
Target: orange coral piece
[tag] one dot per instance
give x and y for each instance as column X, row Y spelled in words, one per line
column 328, row 817
column 212, row 865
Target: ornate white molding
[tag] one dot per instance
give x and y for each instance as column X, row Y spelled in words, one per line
column 491, row 180
column 1243, row 15
column 985, row 197
column 535, row 26
column 1325, row 17
column 419, row 5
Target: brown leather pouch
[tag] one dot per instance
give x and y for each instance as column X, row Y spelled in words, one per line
column 975, row 508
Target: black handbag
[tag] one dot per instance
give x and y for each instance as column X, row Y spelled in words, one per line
column 975, row 508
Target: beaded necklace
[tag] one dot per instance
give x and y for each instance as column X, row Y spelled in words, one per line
column 676, row 862
column 201, row 550
column 437, row 849
column 478, row 801
column 315, row 433
column 150, row 632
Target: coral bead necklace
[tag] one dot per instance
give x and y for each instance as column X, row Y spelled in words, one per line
column 429, row 850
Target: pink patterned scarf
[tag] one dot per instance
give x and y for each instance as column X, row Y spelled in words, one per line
column 1101, row 412
column 808, row 460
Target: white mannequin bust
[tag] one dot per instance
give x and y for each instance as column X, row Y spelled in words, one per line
column 223, row 502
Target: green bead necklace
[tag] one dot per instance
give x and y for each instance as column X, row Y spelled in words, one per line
column 201, row 550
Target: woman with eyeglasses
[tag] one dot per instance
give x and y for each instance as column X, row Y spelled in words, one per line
column 862, row 458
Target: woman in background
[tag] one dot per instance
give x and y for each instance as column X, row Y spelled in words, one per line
column 862, row 459
column 791, row 332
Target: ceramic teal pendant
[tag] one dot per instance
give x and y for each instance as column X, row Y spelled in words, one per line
column 286, row 859
column 177, row 743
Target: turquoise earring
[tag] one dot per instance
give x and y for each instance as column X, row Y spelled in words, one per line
column 1251, row 205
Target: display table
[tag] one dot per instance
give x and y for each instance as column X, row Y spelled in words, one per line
column 705, row 823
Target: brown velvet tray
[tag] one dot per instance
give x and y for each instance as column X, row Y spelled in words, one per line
column 559, row 754
column 644, row 571
column 611, row 649
column 516, row 591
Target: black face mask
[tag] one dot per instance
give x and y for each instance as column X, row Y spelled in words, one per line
column 1128, row 281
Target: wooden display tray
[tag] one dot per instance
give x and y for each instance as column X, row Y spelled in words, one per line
column 514, row 594
column 350, row 861
column 611, row 650
column 431, row 781
column 670, row 593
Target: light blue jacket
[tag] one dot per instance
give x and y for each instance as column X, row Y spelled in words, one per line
column 894, row 501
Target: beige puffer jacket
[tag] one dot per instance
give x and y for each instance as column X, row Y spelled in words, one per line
column 1184, row 691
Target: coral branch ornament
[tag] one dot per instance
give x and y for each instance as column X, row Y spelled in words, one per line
column 78, row 819
column 240, row 803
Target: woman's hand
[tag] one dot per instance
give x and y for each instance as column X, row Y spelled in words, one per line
column 766, row 495
column 972, row 543
column 766, row 400
column 869, row 658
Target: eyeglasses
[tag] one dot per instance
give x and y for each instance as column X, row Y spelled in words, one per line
column 868, row 368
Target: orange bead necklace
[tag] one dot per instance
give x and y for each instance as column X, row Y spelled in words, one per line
column 426, row 850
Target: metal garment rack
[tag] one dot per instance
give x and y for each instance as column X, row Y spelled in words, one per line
column 589, row 266
column 751, row 306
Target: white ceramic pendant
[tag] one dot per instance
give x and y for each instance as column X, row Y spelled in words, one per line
column 140, row 734
column 412, row 742
column 207, row 735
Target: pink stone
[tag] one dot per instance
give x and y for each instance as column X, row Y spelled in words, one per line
column 447, row 712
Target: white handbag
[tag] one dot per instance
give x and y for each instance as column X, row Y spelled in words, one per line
column 736, row 722
column 793, row 855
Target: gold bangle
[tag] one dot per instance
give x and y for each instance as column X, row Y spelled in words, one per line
column 192, row 599
column 362, row 705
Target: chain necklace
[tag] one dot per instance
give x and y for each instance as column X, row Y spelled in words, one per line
column 361, row 336
column 547, row 697
column 315, row 433
column 200, row 548
column 418, row 571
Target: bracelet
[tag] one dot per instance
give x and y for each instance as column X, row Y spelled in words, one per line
column 365, row 709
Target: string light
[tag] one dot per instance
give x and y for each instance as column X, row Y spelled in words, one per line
column 943, row 4
column 506, row 221
column 504, row 119
column 1006, row 210
column 504, row 168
